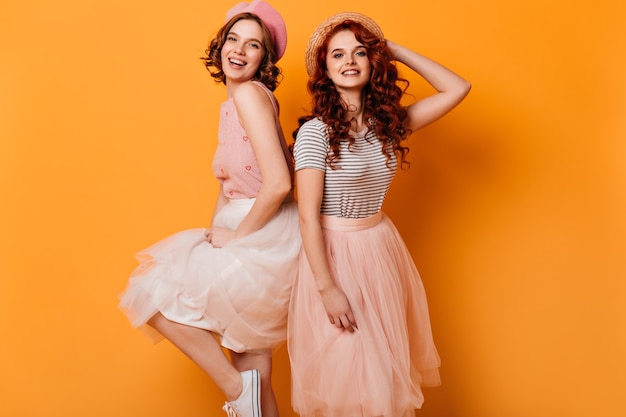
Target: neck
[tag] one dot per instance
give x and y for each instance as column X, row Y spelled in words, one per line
column 354, row 104
column 231, row 86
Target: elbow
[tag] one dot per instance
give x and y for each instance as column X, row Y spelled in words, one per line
column 285, row 189
column 307, row 221
column 459, row 92
column 280, row 189
column 465, row 88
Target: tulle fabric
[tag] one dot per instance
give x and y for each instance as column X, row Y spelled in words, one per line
column 240, row 291
column 379, row 369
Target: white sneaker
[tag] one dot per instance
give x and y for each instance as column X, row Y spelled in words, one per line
column 249, row 402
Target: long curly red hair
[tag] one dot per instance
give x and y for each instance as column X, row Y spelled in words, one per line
column 382, row 109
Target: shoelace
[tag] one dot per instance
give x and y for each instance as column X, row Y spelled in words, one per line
column 230, row 410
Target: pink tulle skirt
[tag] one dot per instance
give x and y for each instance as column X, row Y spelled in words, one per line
column 379, row 369
column 240, row 292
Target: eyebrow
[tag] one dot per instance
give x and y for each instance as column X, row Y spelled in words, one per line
column 343, row 49
column 232, row 32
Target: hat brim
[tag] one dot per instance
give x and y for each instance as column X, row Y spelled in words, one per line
column 323, row 30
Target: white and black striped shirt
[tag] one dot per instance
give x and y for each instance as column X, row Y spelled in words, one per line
column 356, row 185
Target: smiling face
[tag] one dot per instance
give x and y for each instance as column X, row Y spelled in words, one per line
column 243, row 52
column 346, row 61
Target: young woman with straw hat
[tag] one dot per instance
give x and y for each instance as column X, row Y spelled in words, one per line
column 360, row 340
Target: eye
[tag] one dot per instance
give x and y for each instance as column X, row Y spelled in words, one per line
column 361, row 53
column 255, row 45
column 337, row 55
column 231, row 38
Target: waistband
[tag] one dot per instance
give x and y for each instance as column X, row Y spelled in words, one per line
column 344, row 224
column 248, row 202
column 241, row 202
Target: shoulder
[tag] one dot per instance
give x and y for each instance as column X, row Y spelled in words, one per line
column 312, row 134
column 313, row 127
column 249, row 90
column 254, row 98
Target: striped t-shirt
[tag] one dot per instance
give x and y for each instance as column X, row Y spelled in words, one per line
column 356, row 185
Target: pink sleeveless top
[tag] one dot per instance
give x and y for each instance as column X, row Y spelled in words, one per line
column 234, row 163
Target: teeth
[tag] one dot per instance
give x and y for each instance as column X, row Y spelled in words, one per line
column 350, row 72
column 237, row 62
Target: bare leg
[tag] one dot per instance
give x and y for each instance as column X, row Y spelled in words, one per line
column 262, row 362
column 202, row 348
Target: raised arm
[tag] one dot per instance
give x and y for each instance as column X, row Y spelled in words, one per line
column 451, row 88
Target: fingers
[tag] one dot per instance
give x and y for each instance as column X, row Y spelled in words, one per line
column 345, row 321
column 208, row 234
column 338, row 309
column 347, row 324
column 352, row 320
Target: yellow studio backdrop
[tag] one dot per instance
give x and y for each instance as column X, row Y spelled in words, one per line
column 513, row 207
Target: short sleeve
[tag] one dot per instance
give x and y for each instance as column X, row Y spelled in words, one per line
column 311, row 146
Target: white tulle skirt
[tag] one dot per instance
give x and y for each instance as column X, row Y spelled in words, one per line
column 240, row 292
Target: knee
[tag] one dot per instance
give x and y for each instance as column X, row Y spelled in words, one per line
column 264, row 365
column 262, row 362
column 265, row 368
column 156, row 320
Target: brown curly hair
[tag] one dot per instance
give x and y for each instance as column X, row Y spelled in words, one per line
column 268, row 73
column 382, row 109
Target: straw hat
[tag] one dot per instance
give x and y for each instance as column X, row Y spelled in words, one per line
column 321, row 32
column 270, row 16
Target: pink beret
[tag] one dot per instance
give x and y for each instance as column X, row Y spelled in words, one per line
column 270, row 17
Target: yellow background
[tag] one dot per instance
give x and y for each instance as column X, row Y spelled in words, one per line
column 513, row 208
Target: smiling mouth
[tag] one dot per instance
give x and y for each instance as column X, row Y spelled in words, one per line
column 236, row 62
column 350, row 72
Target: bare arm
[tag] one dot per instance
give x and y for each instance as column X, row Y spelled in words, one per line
column 451, row 88
column 256, row 115
column 311, row 186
